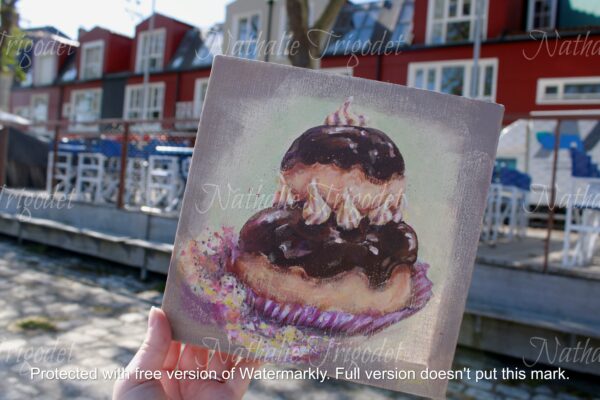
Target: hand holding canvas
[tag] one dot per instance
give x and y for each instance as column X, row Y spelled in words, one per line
column 160, row 353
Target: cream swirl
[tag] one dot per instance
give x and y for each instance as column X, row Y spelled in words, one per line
column 316, row 210
column 343, row 116
column 284, row 196
column 347, row 215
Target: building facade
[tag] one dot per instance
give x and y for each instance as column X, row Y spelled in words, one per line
column 535, row 55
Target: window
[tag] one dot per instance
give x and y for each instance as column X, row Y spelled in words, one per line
column 200, row 88
column 134, row 101
column 453, row 21
column 585, row 90
column 39, row 112
column 346, row 71
column 403, row 32
column 454, row 77
column 248, row 28
column 541, row 14
column 150, row 50
column 92, row 57
column 85, row 107
column 44, row 69
column 39, row 107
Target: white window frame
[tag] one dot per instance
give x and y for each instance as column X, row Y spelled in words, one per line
column 83, row 61
column 468, row 65
column 236, row 30
column 128, row 91
column 73, row 109
column 345, row 71
column 140, row 57
column 35, row 96
column 530, row 14
column 37, row 71
column 198, row 97
column 560, row 83
column 41, row 128
column 446, row 20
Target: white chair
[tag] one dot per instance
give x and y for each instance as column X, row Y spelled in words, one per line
column 136, row 181
column 513, row 209
column 163, row 182
column 491, row 216
column 505, row 204
column 90, row 177
column 63, row 174
column 583, row 219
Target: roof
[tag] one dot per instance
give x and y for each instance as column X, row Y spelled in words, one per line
column 157, row 14
column 48, row 29
column 12, row 119
column 49, row 32
column 360, row 27
column 196, row 50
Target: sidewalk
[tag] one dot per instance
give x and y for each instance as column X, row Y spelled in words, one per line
column 59, row 311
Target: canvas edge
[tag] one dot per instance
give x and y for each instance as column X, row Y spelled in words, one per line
column 452, row 326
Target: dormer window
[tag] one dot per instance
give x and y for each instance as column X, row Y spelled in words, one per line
column 151, row 50
column 452, row 21
column 403, row 31
column 248, row 28
column 44, row 69
column 541, row 14
column 92, row 57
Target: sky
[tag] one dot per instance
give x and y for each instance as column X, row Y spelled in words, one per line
column 117, row 15
column 120, row 16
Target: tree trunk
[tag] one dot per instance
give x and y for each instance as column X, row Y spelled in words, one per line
column 305, row 48
column 7, row 21
column 6, row 81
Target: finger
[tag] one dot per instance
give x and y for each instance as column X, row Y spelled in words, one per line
column 150, row 356
column 238, row 384
column 170, row 383
column 153, row 353
column 193, row 358
column 172, row 356
column 220, row 362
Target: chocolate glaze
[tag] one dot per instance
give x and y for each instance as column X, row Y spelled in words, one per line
column 326, row 250
column 346, row 146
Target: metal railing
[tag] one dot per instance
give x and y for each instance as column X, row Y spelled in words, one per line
column 128, row 163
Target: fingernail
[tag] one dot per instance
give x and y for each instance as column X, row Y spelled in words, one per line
column 152, row 318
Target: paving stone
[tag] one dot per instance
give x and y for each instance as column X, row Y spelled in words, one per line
column 543, row 390
column 567, row 396
column 481, row 384
column 455, row 387
column 481, row 394
column 512, row 391
column 543, row 397
column 132, row 317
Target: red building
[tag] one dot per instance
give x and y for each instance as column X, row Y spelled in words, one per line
column 535, row 55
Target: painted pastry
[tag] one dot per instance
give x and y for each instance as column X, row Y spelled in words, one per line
column 333, row 253
column 356, row 170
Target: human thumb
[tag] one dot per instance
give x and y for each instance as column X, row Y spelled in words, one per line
column 153, row 352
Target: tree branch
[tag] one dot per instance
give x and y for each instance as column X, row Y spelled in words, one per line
column 305, row 46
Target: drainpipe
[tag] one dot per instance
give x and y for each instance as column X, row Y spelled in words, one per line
column 147, row 65
column 476, row 48
column 269, row 23
column 379, row 75
column 3, row 155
